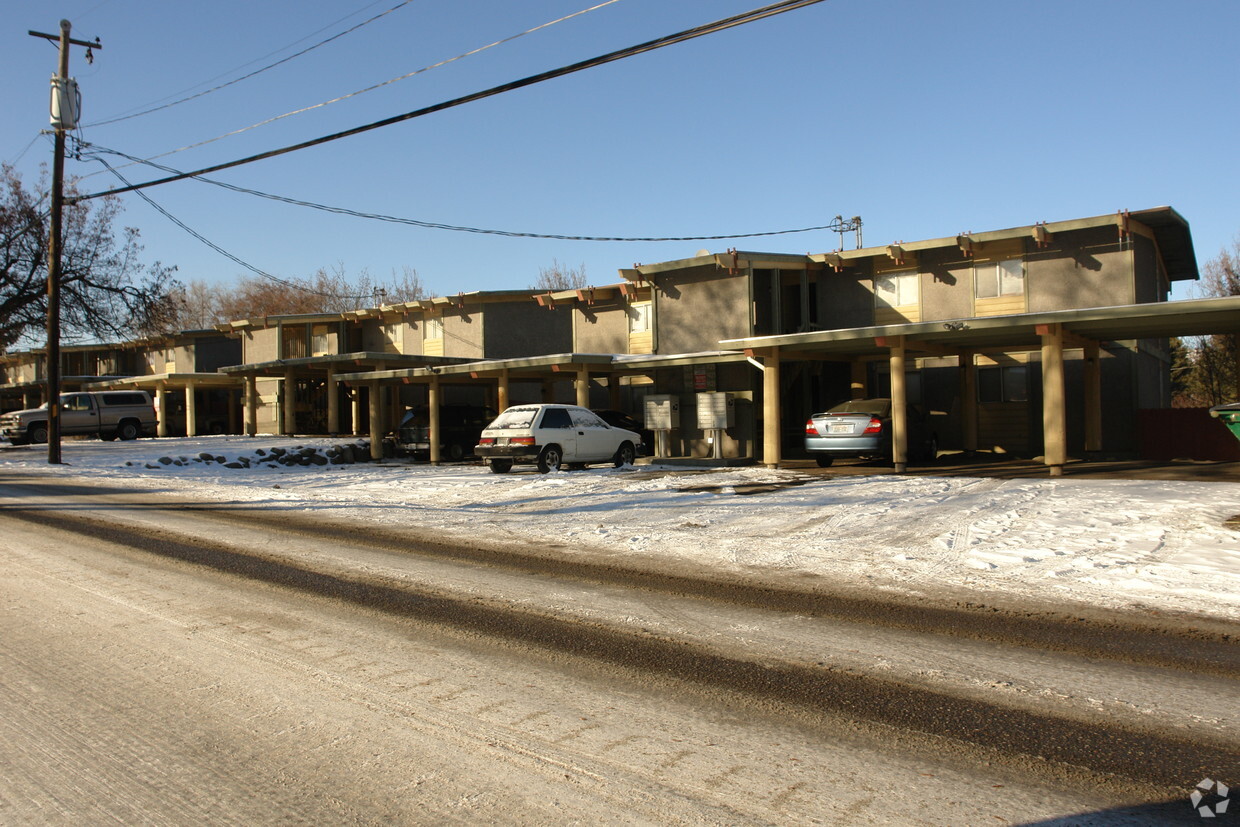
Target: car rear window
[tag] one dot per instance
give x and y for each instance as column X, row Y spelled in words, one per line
column 874, row 407
column 515, row 418
column 123, row 398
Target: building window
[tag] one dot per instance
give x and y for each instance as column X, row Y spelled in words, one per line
column 896, row 290
column 318, row 340
column 639, row 319
column 432, row 328
column 1007, row 383
column 992, row 279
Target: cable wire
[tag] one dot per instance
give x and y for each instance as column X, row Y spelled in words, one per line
column 255, row 72
column 405, row 76
column 432, row 225
column 610, row 57
column 208, row 242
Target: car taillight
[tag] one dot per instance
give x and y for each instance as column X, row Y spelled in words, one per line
column 487, row 440
column 875, row 426
column 521, row 440
column 809, row 427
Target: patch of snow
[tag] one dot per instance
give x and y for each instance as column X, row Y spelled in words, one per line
column 1118, row 543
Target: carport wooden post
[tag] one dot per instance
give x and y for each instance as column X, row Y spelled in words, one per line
column 899, row 406
column 356, row 405
column 375, row 392
column 968, row 400
column 289, row 405
column 232, row 411
column 501, row 390
column 161, row 402
column 432, row 413
column 191, row 410
column 613, row 391
column 333, row 403
column 582, row 385
column 1054, row 414
column 857, row 379
column 770, row 407
column 251, row 404
column 1093, row 397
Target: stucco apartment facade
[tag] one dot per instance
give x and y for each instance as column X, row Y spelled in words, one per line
column 782, row 334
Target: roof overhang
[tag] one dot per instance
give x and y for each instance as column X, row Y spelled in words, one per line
column 1016, row 332
column 548, row 366
column 336, row 362
column 1162, row 225
column 156, row 381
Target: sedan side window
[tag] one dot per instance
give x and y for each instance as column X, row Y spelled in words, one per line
column 556, row 418
column 586, row 419
column 77, row 402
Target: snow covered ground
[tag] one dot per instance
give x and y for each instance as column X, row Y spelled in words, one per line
column 1147, row 545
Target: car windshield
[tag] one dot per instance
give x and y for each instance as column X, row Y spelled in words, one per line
column 514, row 418
column 873, row 407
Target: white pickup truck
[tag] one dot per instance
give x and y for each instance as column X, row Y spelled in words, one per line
column 106, row 414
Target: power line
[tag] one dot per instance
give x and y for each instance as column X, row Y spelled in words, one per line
column 405, row 76
column 611, row 57
column 431, row 225
column 208, row 242
column 255, row 72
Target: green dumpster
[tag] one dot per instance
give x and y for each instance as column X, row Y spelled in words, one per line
column 1229, row 415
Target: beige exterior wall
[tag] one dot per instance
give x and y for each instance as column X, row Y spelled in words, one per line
column 845, row 299
column 1087, row 268
column 522, row 328
column 602, row 327
column 694, row 309
column 260, row 345
column 462, row 331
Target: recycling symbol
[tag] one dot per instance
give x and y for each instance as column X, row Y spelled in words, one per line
column 1203, row 789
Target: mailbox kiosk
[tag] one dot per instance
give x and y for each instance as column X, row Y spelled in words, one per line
column 662, row 417
column 716, row 412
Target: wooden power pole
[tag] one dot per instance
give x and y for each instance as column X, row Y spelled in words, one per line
column 64, row 118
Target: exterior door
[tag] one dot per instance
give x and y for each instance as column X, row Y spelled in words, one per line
column 78, row 414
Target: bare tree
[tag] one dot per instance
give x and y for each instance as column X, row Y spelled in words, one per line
column 560, row 277
column 105, row 291
column 327, row 291
column 1212, row 376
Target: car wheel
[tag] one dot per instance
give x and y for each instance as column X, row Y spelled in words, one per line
column 625, row 454
column 37, row 433
column 500, row 466
column 128, row 430
column 551, row 458
column 824, row 462
column 455, row 452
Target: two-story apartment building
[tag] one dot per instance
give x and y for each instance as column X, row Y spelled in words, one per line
column 290, row 363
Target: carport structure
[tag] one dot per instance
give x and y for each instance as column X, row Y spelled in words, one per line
column 329, row 369
column 579, row 368
column 160, row 384
column 1049, row 333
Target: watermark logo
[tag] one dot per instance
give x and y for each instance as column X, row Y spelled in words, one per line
column 1216, row 790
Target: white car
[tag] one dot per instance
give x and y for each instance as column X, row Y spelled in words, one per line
column 551, row 436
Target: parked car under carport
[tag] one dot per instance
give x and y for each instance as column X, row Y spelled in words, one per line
column 863, row 428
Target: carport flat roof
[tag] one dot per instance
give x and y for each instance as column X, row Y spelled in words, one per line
column 1196, row 317
column 175, row 380
column 552, row 364
column 279, row 367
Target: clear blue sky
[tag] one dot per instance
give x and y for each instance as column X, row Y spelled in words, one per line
column 926, row 119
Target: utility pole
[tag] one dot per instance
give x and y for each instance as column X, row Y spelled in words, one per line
column 64, row 117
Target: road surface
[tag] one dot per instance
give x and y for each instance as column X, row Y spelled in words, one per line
column 166, row 661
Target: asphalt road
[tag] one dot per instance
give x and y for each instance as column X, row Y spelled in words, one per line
column 168, row 661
